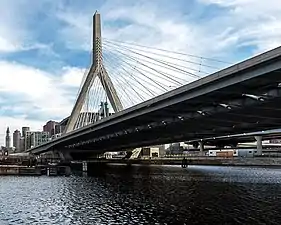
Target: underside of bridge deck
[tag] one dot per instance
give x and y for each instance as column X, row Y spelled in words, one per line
column 244, row 100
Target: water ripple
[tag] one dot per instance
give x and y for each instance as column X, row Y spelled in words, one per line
column 145, row 195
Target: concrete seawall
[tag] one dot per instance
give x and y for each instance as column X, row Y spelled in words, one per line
column 262, row 162
column 19, row 170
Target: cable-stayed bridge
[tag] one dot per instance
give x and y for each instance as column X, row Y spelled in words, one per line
column 133, row 96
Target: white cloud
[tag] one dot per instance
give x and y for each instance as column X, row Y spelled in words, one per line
column 36, row 91
column 8, row 40
column 254, row 23
column 12, row 32
column 72, row 77
column 15, row 32
column 24, row 80
column 76, row 22
column 146, row 25
column 6, row 46
column 150, row 25
column 238, row 23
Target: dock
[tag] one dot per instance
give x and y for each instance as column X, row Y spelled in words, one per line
column 19, row 170
column 204, row 161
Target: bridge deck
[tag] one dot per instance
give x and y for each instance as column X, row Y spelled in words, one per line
column 192, row 111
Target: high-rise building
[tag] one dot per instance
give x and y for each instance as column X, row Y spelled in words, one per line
column 16, row 140
column 39, row 138
column 8, row 138
column 35, row 138
column 27, row 140
column 58, row 129
column 22, row 144
column 50, row 127
column 24, row 130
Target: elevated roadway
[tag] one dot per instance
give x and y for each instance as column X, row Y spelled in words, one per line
column 233, row 140
column 242, row 98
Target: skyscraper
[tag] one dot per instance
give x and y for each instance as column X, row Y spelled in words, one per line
column 24, row 130
column 16, row 140
column 22, row 142
column 35, row 138
column 50, row 127
column 8, row 138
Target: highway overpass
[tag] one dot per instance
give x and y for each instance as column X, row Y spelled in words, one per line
column 242, row 98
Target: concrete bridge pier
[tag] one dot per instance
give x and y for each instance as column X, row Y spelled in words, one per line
column 259, row 145
column 64, row 156
column 84, row 166
column 201, row 148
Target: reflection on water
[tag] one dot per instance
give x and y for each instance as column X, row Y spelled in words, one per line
column 145, row 195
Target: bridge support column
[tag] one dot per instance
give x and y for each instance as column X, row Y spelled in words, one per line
column 84, row 166
column 201, row 147
column 259, row 144
column 64, row 156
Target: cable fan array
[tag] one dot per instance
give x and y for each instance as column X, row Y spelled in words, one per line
column 139, row 73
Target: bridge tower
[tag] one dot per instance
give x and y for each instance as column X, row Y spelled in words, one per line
column 97, row 70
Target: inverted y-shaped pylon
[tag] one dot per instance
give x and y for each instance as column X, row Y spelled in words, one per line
column 97, row 70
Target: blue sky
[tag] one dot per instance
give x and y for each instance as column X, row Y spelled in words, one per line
column 45, row 45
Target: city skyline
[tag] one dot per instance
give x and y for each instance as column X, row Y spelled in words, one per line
column 47, row 127
column 45, row 46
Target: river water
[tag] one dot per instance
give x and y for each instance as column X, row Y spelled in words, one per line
column 145, row 195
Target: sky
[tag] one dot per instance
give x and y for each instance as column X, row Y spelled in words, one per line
column 45, row 46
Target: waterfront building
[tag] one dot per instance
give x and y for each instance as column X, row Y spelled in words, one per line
column 152, row 151
column 3, row 151
column 161, row 148
column 39, row 138
column 175, row 148
column 35, row 138
column 16, row 140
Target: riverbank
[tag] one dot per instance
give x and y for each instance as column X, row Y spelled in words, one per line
column 57, row 170
column 49, row 170
column 210, row 161
column 19, row 170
